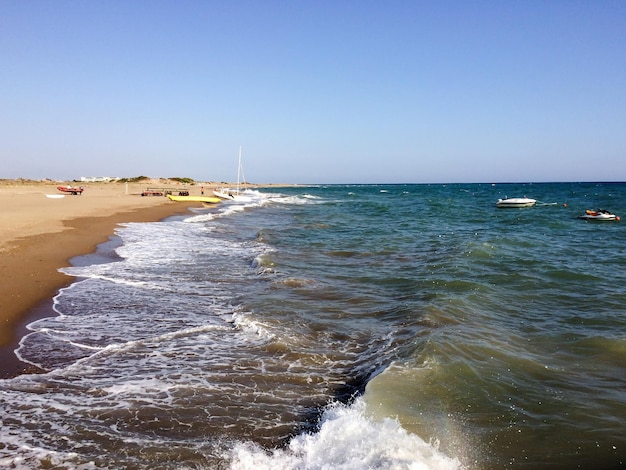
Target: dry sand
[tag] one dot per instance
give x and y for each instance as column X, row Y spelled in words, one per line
column 39, row 235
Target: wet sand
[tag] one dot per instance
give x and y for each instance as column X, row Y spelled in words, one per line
column 40, row 234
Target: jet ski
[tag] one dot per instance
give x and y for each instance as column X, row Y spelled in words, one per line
column 599, row 214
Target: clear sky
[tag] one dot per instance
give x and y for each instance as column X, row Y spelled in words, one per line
column 323, row 91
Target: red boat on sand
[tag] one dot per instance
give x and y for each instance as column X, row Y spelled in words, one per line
column 71, row 189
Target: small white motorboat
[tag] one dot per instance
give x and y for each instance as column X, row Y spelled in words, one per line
column 599, row 214
column 515, row 202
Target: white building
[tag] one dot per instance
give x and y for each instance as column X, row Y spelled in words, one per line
column 98, row 179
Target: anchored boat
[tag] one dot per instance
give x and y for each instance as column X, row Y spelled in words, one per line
column 516, row 202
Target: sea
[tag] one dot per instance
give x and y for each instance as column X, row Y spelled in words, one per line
column 337, row 327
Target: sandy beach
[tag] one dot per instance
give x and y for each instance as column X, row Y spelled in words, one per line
column 41, row 231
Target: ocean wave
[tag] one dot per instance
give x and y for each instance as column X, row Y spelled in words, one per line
column 347, row 439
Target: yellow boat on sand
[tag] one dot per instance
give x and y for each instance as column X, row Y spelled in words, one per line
column 205, row 199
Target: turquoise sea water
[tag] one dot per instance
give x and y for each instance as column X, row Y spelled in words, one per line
column 347, row 327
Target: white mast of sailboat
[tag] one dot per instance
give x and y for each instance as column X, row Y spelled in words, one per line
column 239, row 171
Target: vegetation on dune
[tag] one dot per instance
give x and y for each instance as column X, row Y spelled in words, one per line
column 183, row 180
column 136, row 179
column 175, row 179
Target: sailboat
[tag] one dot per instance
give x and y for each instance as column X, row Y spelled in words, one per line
column 234, row 195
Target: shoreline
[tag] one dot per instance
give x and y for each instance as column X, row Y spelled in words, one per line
column 40, row 235
column 33, row 279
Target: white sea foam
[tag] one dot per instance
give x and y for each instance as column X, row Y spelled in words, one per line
column 247, row 323
column 296, row 200
column 348, row 440
column 26, row 456
column 263, row 263
column 227, row 208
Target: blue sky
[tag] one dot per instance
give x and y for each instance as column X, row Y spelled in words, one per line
column 314, row 92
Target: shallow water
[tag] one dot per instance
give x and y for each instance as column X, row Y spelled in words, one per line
column 398, row 326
